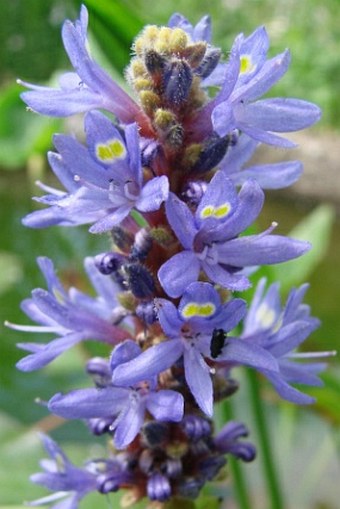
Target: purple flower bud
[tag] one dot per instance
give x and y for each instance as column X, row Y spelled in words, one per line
column 146, row 312
column 146, row 461
column 141, row 246
column 158, row 487
column 177, row 81
column 227, row 441
column 107, row 484
column 155, row 433
column 210, row 466
column 150, row 149
column 154, row 62
column 99, row 370
column 114, row 475
column 121, row 238
column 208, row 63
column 217, row 342
column 196, row 427
column 100, row 425
column 173, row 468
column 139, row 281
column 213, row 151
column 190, row 487
column 108, row 263
column 193, row 192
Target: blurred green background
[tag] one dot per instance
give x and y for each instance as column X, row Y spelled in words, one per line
column 31, row 48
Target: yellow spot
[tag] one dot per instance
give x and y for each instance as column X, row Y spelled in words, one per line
column 217, row 212
column 208, row 211
column 60, row 463
column 202, row 310
column 246, row 64
column 110, row 151
column 266, row 316
column 222, row 210
column 58, row 295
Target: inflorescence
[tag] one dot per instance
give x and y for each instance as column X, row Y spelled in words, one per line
column 169, row 179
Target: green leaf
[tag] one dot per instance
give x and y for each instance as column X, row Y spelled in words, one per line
column 22, row 134
column 316, row 229
column 115, row 26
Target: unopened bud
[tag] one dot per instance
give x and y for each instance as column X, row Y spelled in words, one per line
column 137, row 68
column 109, row 263
column 178, row 40
column 191, row 155
column 99, row 370
column 213, row 151
column 194, row 53
column 141, row 246
column 158, row 487
column 139, row 281
column 142, row 84
column 154, row 62
column 208, row 63
column 177, row 81
column 122, row 238
column 163, row 39
column 155, row 433
column 193, row 192
column 146, row 312
column 149, row 101
column 162, row 236
column 164, row 119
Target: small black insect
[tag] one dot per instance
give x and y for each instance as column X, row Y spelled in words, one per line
column 217, row 342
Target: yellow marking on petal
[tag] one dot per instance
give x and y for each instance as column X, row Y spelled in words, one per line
column 266, row 316
column 58, row 295
column 60, row 462
column 246, row 64
column 217, row 212
column 202, row 310
column 110, row 151
column 208, row 211
column 222, row 211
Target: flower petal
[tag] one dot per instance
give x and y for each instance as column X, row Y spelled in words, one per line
column 166, row 405
column 198, row 378
column 176, row 274
column 89, row 403
column 151, row 362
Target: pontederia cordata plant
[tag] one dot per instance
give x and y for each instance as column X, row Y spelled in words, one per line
column 166, row 174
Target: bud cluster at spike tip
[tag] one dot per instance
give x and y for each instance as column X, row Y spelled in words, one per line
column 169, row 179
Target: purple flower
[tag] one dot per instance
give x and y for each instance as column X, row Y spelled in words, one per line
column 72, row 315
column 252, row 53
column 280, row 330
column 227, row 441
column 104, row 181
column 200, row 32
column 87, row 88
column 69, row 483
column 127, row 406
column 189, row 330
column 247, row 76
column 209, row 238
column 268, row 176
